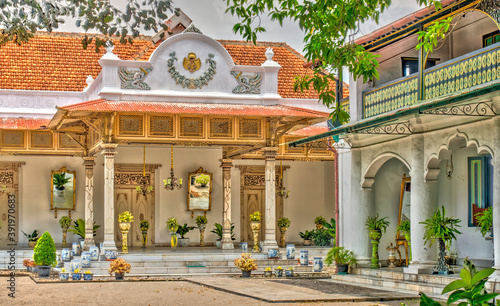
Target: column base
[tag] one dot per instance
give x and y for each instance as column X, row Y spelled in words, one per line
column 269, row 244
column 227, row 245
column 109, row 245
column 88, row 243
column 420, row 268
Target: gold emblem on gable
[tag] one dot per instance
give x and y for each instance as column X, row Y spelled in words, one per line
column 191, row 62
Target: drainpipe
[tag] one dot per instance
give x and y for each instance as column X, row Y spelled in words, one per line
column 336, row 175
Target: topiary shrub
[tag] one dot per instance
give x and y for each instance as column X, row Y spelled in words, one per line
column 45, row 251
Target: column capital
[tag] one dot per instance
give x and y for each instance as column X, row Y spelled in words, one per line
column 226, row 163
column 269, row 152
column 109, row 149
column 89, row 161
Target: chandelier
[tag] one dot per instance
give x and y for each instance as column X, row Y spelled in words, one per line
column 144, row 187
column 171, row 182
column 282, row 192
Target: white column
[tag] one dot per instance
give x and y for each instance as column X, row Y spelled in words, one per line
column 226, row 165
column 89, row 163
column 423, row 204
column 496, row 199
column 109, row 151
column 270, row 214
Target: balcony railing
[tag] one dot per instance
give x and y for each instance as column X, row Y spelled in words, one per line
column 450, row 77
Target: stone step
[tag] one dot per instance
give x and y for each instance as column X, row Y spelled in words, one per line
column 400, row 276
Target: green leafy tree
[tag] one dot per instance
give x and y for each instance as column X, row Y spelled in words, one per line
column 45, row 251
column 329, row 29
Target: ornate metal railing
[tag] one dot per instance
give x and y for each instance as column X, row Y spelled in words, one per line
column 402, row 92
column 462, row 73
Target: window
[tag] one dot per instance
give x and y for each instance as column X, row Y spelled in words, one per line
column 410, row 64
column 490, row 39
column 480, row 185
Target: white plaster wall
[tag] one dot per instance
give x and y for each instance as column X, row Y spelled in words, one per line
column 468, row 34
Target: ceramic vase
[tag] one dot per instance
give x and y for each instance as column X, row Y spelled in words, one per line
column 65, row 234
column 273, row 253
column 76, row 249
column 255, row 229
column 278, row 272
column 66, row 255
column 64, row 276
column 85, row 260
column 317, row 264
column 124, row 228
column 304, row 258
column 244, row 247
column 282, row 236
column 289, row 273
column 290, row 251
column 88, row 276
column 375, row 235
column 202, row 235
column 76, row 276
column 144, row 238
column 94, row 253
column 75, row 264
column 110, row 254
column 173, row 241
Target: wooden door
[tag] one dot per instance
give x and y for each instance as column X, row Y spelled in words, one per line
column 10, row 204
column 253, row 201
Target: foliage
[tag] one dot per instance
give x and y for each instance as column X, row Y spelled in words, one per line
column 319, row 220
column 20, row 19
column 79, row 228
column 33, row 236
column 144, row 225
column 65, row 222
column 405, row 227
column 201, row 220
column 433, row 34
column 172, row 224
column 283, row 222
column 245, row 262
column 331, row 227
column 376, row 224
column 44, row 253
column 184, row 229
column 255, row 216
column 341, row 256
column 427, row 301
column 119, row 265
column 28, row 263
column 203, row 179
column 125, row 216
column 329, row 28
column 321, row 237
column 306, row 235
column 219, row 230
column 485, row 220
column 441, row 227
column 60, row 179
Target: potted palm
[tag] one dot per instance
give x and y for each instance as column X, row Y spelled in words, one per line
column 45, row 254
column 59, row 180
column 319, row 222
column 246, row 264
column 32, row 238
column 218, row 230
column 306, row 235
column 144, row 226
column 331, row 230
column 65, row 223
column 172, row 226
column 485, row 221
column 444, row 229
column 183, row 230
column 201, row 223
column 119, row 267
column 255, row 225
column 283, row 224
column 342, row 257
column 78, row 228
column 377, row 226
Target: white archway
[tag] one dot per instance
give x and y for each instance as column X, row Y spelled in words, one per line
column 376, row 164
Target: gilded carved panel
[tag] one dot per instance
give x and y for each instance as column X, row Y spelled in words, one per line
column 6, row 177
column 161, row 126
column 13, row 139
column 250, row 128
column 41, row 140
column 221, row 127
column 191, row 126
column 122, row 178
column 130, row 125
column 320, row 148
column 66, row 142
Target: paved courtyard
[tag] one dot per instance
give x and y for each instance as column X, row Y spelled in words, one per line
column 206, row 291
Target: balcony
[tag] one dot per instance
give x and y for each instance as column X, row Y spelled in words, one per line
column 470, row 71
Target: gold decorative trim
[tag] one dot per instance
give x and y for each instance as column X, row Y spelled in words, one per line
column 13, row 139
column 41, row 140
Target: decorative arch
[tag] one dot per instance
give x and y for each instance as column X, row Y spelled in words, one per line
column 376, row 164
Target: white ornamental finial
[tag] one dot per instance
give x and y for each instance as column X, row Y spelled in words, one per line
column 269, row 54
column 89, row 80
column 109, row 46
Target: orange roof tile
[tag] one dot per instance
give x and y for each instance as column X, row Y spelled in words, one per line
column 22, row 123
column 310, row 131
column 103, row 105
column 57, row 61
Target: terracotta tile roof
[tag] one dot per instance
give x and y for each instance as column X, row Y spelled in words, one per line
column 57, row 61
column 401, row 23
column 310, row 131
column 22, row 123
column 103, row 105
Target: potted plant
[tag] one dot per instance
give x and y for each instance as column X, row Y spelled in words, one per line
column 59, row 180
column 32, row 238
column 45, row 255
column 202, row 179
column 283, row 224
column 289, row 272
column 306, row 235
column 63, row 275
column 405, row 228
column 377, row 226
column 183, row 230
column 125, row 218
column 267, row 272
column 485, row 221
column 119, row 267
column 144, row 226
column 331, row 230
column 319, row 222
column 444, row 229
column 65, row 223
column 201, row 223
column 218, row 230
column 88, row 276
column 78, row 228
column 255, row 225
column 77, row 275
column 278, row 272
column 342, row 257
column 172, row 226
column 321, row 237
column 246, row 264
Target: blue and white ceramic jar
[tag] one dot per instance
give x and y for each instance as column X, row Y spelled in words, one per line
column 85, row 260
column 110, row 254
column 290, row 251
column 66, row 255
column 317, row 264
column 94, row 253
column 75, row 264
column 244, row 247
column 278, row 272
column 88, row 276
column 273, row 253
column 304, row 258
column 64, row 276
column 77, row 249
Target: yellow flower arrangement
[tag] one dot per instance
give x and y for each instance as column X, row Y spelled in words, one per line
column 63, row 270
column 268, row 269
column 291, row 268
column 119, row 266
column 279, row 268
column 246, row 262
column 88, row 272
column 125, row 216
column 76, row 271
